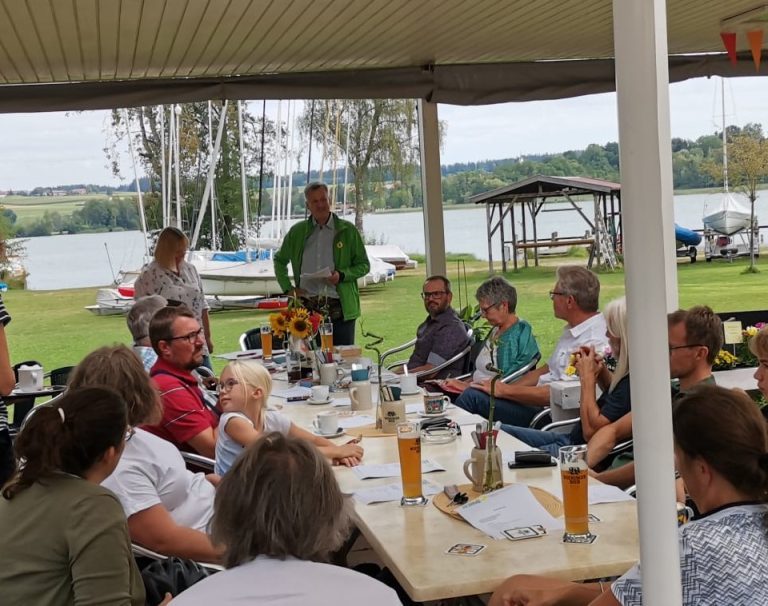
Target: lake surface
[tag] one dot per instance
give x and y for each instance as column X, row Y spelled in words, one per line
column 82, row 260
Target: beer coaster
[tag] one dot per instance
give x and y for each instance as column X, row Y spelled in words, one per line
column 582, row 541
column 369, row 431
column 465, row 549
column 548, row 501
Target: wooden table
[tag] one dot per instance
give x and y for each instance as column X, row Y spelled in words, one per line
column 412, row 541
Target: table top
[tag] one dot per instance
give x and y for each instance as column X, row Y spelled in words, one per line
column 412, row 541
column 50, row 390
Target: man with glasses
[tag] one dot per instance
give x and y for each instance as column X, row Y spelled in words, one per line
column 189, row 421
column 442, row 335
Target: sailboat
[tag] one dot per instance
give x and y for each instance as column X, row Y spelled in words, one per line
column 729, row 217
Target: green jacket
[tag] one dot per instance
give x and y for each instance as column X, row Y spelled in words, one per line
column 349, row 258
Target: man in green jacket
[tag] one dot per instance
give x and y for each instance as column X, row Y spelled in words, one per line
column 327, row 256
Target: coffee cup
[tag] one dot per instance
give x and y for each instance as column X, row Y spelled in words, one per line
column 684, row 514
column 30, row 378
column 474, row 467
column 435, row 403
column 360, row 374
column 320, row 393
column 391, row 413
column 330, row 373
column 408, row 384
column 326, row 422
column 360, row 395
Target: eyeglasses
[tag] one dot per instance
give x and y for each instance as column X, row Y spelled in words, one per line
column 228, row 385
column 129, row 433
column 554, row 293
column 485, row 310
column 191, row 337
column 674, row 347
column 435, row 294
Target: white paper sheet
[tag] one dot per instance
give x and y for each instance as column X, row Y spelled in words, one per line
column 323, row 272
column 392, row 470
column 356, row 421
column 600, row 493
column 392, row 492
column 294, row 392
column 342, row 402
column 510, row 507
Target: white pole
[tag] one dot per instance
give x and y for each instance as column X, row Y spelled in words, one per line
column 177, row 120
column 163, row 184
column 214, row 231
column 209, row 180
column 285, row 188
column 243, row 176
column 642, row 84
column 346, row 158
column 434, row 230
column 171, row 147
column 138, row 185
column 289, row 155
column 725, row 140
column 277, row 180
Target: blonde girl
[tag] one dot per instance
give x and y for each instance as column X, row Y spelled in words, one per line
column 245, row 386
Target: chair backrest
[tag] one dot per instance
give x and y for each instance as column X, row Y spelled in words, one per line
column 250, row 339
column 60, row 376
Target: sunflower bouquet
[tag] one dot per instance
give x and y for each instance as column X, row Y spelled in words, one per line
column 297, row 322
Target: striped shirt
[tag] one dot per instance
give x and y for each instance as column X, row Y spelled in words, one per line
column 4, row 319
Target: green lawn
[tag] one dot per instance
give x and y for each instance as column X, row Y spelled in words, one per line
column 53, row 327
column 31, row 208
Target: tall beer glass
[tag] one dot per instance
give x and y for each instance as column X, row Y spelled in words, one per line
column 326, row 336
column 573, row 473
column 266, row 341
column 409, row 448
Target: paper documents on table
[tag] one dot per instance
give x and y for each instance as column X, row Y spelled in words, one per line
column 392, row 470
column 600, row 493
column 355, row 421
column 342, row 401
column 510, row 507
column 392, row 492
column 324, row 272
column 293, row 392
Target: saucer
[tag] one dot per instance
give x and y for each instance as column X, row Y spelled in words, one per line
column 339, row 432
column 318, row 402
column 431, row 415
column 411, row 393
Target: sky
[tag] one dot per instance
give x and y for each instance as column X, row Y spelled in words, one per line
column 58, row 148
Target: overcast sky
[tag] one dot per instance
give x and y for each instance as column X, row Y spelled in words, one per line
column 57, row 148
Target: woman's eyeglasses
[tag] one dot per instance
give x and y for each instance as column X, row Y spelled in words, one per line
column 485, row 310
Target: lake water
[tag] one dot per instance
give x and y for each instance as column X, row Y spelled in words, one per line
column 82, row 260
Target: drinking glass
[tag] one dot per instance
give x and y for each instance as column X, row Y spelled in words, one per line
column 409, row 449
column 326, row 336
column 266, row 341
column 573, row 473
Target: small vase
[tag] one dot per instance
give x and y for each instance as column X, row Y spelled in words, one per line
column 492, row 474
column 298, row 359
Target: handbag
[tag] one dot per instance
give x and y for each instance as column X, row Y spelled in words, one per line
column 171, row 575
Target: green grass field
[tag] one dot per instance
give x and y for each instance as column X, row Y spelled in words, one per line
column 31, row 208
column 53, row 328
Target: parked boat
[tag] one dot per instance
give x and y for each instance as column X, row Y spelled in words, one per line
column 686, row 237
column 729, row 217
column 391, row 253
column 110, row 302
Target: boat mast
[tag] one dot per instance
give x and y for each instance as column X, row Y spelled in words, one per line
column 177, row 121
column 163, row 183
column 346, row 157
column 261, row 164
column 243, row 177
column 725, row 141
column 138, row 183
column 169, row 165
column 214, row 233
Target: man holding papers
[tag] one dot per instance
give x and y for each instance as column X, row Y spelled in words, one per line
column 327, row 256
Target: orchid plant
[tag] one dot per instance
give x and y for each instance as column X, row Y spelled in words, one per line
column 492, row 476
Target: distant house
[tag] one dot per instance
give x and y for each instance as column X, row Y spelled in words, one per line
column 58, row 192
column 3, row 194
column 78, row 191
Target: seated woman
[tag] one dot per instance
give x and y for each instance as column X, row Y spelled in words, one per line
column 245, row 386
column 721, row 452
column 593, row 413
column 280, row 513
column 64, row 536
column 510, row 344
column 167, row 506
column 758, row 345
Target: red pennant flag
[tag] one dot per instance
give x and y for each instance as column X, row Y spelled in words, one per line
column 729, row 41
column 756, row 45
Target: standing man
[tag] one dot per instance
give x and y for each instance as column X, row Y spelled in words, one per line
column 442, row 335
column 327, row 256
column 575, row 299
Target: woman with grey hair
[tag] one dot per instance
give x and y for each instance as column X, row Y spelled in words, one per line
column 510, row 344
column 280, row 514
column 138, row 324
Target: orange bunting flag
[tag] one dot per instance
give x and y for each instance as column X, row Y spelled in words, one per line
column 729, row 41
column 756, row 46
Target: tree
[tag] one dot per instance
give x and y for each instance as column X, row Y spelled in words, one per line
column 382, row 136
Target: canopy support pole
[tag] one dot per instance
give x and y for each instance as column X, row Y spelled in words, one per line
column 434, row 231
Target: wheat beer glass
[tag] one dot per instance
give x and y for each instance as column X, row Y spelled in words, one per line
column 266, row 341
column 573, row 473
column 409, row 448
column 326, row 336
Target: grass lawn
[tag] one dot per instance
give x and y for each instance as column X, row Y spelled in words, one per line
column 31, row 208
column 53, row 328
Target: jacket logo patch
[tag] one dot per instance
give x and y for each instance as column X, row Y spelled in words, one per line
column 339, row 244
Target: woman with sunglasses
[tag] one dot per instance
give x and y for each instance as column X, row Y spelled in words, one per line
column 64, row 537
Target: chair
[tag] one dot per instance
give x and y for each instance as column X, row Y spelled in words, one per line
column 197, row 463
column 464, row 353
column 514, row 375
column 250, row 339
column 60, row 376
column 541, row 419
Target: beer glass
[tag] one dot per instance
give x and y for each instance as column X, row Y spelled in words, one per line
column 266, row 341
column 326, row 336
column 573, row 473
column 409, row 449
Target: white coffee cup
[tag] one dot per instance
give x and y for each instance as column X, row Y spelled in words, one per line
column 30, row 377
column 360, row 395
column 326, row 422
column 330, row 373
column 320, row 393
column 408, row 384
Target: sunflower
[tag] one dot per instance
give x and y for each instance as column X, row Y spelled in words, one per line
column 279, row 323
column 300, row 326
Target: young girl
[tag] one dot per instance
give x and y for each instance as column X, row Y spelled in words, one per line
column 245, row 386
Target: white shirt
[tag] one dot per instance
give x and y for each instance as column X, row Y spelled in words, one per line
column 227, row 450
column 151, row 472
column 288, row 582
column 589, row 332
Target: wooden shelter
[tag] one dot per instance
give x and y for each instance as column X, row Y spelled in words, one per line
column 603, row 234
